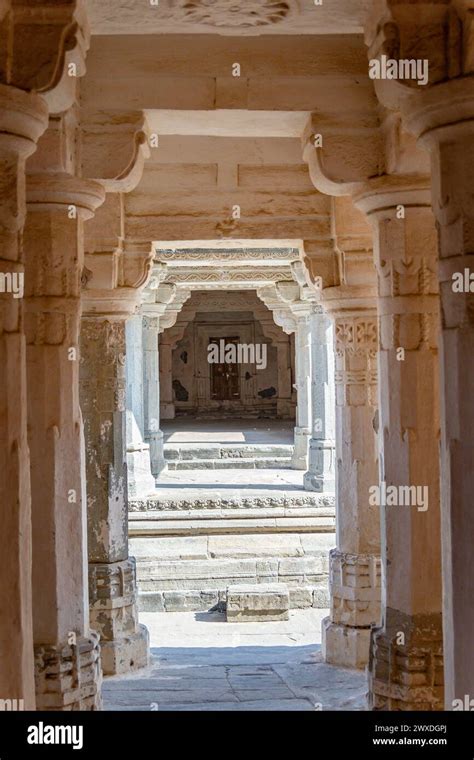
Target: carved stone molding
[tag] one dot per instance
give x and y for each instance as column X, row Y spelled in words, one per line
column 226, row 254
column 257, row 275
column 227, row 13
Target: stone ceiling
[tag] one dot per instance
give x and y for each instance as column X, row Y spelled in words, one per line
column 231, row 17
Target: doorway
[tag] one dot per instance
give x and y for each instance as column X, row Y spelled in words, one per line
column 225, row 377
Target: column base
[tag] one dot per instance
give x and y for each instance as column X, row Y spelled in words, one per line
column 345, row 646
column 299, row 460
column 113, row 612
column 285, row 409
column 126, row 654
column 167, row 411
column 158, row 462
column 69, row 677
column 406, row 663
column 321, row 456
column 140, row 480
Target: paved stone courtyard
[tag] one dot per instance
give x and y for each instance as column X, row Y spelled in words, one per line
column 232, row 430
column 201, row 662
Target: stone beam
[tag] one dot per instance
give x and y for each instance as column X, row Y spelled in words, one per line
column 195, row 72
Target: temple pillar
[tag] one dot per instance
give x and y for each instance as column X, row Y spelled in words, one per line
column 303, row 389
column 23, row 118
column 140, row 479
column 447, row 131
column 151, row 393
column 167, row 411
column 67, row 653
column 354, row 577
column 112, row 574
column 320, row 475
column 406, row 657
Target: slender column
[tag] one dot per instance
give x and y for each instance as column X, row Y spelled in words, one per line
column 23, row 117
column 151, row 394
column 67, row 654
column 284, row 404
column 112, row 576
column 405, row 668
column 355, row 563
column 303, row 388
column 320, row 475
column 166, row 377
column 140, row 479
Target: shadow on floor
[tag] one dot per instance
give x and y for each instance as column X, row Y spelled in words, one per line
column 242, row 678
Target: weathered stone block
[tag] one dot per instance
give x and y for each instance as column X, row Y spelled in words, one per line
column 151, row 601
column 247, row 603
column 321, row 598
column 300, row 598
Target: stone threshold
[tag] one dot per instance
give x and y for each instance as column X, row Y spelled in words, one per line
column 208, row 521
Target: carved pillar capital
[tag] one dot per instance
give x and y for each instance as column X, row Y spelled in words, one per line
column 113, row 280
column 115, row 146
column 56, row 38
column 62, row 192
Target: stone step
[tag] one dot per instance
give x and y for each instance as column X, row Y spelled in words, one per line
column 203, row 600
column 237, row 462
column 195, row 522
column 257, row 603
column 193, row 572
column 229, row 451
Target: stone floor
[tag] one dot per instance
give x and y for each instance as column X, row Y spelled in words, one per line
column 201, row 662
column 231, row 485
column 192, row 430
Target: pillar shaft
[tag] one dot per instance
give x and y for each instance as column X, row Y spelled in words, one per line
column 303, row 388
column 67, row 657
column 405, row 668
column 112, row 575
column 151, row 394
column 355, row 563
column 166, row 378
column 453, row 164
column 23, row 117
column 321, row 475
column 140, row 482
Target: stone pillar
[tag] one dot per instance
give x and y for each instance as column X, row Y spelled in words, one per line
column 406, row 664
column 23, row 117
column 285, row 407
column 355, row 564
column 140, row 479
column 166, row 377
column 151, row 394
column 67, row 653
column 321, row 475
column 112, row 577
column 303, row 388
column 444, row 116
